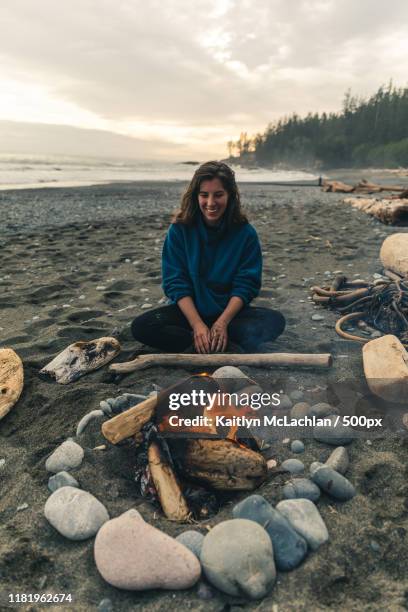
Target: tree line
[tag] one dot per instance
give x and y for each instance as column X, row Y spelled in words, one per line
column 366, row 132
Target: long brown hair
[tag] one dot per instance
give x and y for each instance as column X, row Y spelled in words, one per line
column 189, row 208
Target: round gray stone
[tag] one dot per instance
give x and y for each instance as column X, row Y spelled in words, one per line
column 339, row 460
column 322, row 410
column 76, row 514
column 105, row 605
column 193, row 540
column 333, row 434
column 300, row 410
column 314, row 466
column 289, row 548
column 333, row 483
column 294, row 466
column 297, row 447
column 301, row 488
column 285, row 402
column 62, row 479
column 67, row 456
column 234, row 378
column 296, row 395
column 304, row 517
column 237, row 558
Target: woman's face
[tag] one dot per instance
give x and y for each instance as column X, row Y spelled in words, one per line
column 212, row 200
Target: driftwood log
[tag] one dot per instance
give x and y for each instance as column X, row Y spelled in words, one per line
column 130, row 422
column 363, row 186
column 167, row 486
column 261, row 360
column 337, row 187
column 80, row 358
column 223, row 464
column 11, row 380
column 390, row 211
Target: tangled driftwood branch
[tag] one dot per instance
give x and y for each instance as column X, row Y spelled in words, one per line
column 382, row 304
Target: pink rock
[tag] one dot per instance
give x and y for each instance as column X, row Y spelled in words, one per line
column 131, row 554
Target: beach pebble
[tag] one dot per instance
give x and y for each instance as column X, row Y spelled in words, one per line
column 237, row 558
column 302, row 488
column 76, row 514
column 339, row 460
column 317, row 317
column 314, row 466
column 294, row 466
column 124, row 402
column 66, row 456
column 62, row 479
column 193, row 540
column 229, row 372
column 285, row 403
column 333, row 483
column 233, row 378
column 297, row 446
column 105, row 605
column 2, row 463
column 304, row 517
column 322, row 410
column 375, row 546
column 22, row 507
column 131, row 554
column 289, row 548
column 296, row 395
column 204, row 591
column 105, row 407
column 300, row 410
column 146, row 305
column 331, row 434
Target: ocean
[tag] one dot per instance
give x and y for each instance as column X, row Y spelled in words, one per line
column 36, row 171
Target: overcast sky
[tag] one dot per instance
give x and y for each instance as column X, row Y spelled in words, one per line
column 192, row 72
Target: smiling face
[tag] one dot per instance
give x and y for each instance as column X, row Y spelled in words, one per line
column 212, row 200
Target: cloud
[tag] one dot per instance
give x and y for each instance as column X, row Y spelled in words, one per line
column 202, row 69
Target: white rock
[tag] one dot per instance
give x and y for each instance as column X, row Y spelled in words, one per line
column 74, row 513
column 67, row 456
column 304, row 517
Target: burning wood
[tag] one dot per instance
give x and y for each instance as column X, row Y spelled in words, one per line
column 217, row 457
column 223, row 464
column 167, row 486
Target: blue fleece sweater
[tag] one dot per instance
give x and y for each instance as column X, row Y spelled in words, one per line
column 211, row 265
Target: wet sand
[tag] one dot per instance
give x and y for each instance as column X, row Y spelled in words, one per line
column 78, row 264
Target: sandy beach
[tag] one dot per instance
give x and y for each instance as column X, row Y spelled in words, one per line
column 81, row 263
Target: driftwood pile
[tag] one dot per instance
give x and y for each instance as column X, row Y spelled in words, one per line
column 383, row 305
column 392, row 210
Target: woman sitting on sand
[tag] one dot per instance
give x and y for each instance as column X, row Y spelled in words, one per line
column 212, row 265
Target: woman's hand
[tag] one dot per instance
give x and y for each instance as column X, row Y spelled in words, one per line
column 219, row 336
column 202, row 338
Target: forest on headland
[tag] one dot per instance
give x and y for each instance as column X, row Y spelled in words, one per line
column 371, row 132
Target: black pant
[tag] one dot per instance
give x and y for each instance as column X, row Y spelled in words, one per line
column 167, row 328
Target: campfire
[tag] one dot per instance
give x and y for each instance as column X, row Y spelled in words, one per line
column 197, row 450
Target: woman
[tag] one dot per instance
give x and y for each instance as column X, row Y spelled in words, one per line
column 212, row 266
